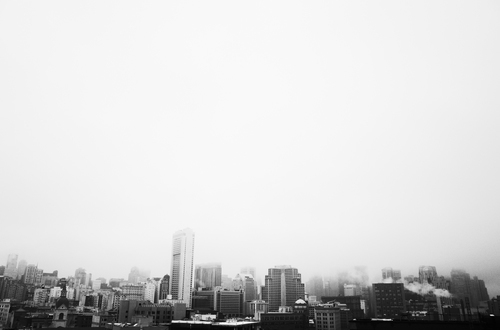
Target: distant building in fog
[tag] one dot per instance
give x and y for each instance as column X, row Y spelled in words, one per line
column 248, row 270
column 246, row 283
column 11, row 267
column 164, row 287
column 427, row 274
column 207, row 276
column 388, row 273
column 21, row 268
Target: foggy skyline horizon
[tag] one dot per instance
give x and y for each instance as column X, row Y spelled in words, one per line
column 320, row 135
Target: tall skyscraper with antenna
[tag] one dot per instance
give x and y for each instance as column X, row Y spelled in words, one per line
column 181, row 272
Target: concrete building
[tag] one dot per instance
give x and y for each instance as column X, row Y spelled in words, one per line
column 353, row 303
column 49, row 279
column 41, row 296
column 208, row 276
column 389, row 300
column 230, row 303
column 131, row 310
column 149, row 291
column 181, row 280
column 4, row 311
column 333, row 316
column 133, row 292
column 283, row 286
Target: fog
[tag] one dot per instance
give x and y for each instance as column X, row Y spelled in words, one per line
column 327, row 136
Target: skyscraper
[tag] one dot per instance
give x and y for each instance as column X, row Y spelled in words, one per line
column 207, row 276
column 181, row 280
column 21, row 268
column 427, row 274
column 283, row 287
column 11, row 267
column 164, row 287
column 31, row 273
column 389, row 273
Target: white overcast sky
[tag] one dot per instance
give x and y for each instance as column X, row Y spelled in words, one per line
column 323, row 135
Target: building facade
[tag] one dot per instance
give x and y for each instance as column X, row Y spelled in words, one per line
column 283, row 286
column 389, row 300
column 181, row 272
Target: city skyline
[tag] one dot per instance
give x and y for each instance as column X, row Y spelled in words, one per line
column 357, row 274
column 320, row 135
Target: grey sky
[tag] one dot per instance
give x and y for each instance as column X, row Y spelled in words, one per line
column 321, row 135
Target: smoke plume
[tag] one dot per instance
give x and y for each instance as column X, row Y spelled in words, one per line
column 421, row 289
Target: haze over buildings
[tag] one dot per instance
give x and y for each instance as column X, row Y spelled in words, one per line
column 265, row 128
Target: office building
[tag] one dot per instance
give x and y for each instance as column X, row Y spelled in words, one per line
column 207, row 276
column 389, row 300
column 283, row 286
column 181, row 280
column 332, row 316
column 31, row 274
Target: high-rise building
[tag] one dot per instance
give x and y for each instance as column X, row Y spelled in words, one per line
column 389, row 299
column 389, row 273
column 315, row 286
column 164, row 287
column 427, row 274
column 207, row 276
column 30, row 274
column 248, row 270
column 21, row 268
column 181, row 272
column 137, row 275
column 150, row 291
column 246, row 283
column 11, row 267
column 80, row 276
column 460, row 284
column 283, row 287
